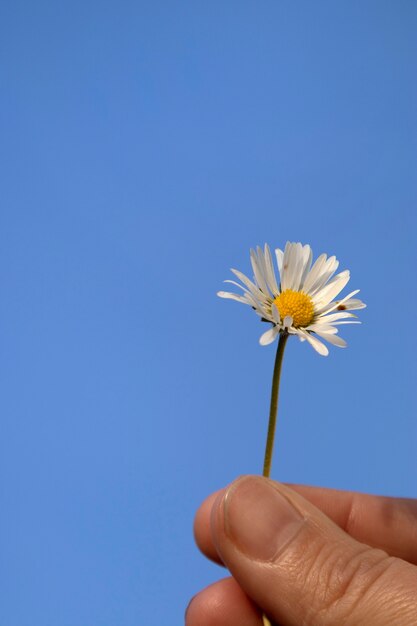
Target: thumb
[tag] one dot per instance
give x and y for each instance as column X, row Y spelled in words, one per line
column 300, row 568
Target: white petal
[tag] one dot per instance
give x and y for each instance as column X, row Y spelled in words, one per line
column 233, row 282
column 258, row 272
column 254, row 289
column 333, row 339
column 253, row 300
column 247, row 298
column 291, row 269
column 286, row 266
column 280, row 256
column 269, row 336
column 298, row 270
column 275, row 313
column 314, row 273
column 259, row 257
column 322, row 328
column 298, row 332
column 267, row 270
column 325, row 319
column 287, row 321
column 335, row 286
column 307, row 259
column 353, row 304
column 317, row 345
column 272, row 281
column 326, row 273
column 232, row 296
column 334, row 305
column 251, row 297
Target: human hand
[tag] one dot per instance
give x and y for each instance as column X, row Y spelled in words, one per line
column 306, row 555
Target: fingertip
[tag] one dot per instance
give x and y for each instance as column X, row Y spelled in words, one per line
column 202, row 531
column 222, row 604
column 203, row 522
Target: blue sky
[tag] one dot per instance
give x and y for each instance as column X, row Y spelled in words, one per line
column 145, row 148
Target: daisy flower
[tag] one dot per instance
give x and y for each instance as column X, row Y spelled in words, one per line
column 302, row 301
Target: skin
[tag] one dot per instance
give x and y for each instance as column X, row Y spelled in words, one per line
column 353, row 562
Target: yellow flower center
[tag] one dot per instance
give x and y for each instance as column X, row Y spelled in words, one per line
column 297, row 305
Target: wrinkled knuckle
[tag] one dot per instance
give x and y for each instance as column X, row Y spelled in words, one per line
column 337, row 586
column 382, row 587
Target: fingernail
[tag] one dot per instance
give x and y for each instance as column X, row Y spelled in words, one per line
column 258, row 519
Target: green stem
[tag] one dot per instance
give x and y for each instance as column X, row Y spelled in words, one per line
column 274, row 404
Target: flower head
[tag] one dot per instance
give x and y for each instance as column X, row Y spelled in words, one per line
column 301, row 303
